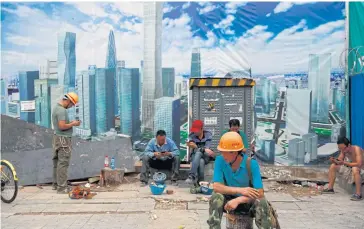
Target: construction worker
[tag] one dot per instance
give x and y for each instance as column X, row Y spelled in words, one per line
column 234, row 125
column 233, row 192
column 199, row 142
column 62, row 143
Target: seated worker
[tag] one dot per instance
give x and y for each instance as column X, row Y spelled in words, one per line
column 235, row 126
column 160, row 153
column 233, row 192
column 350, row 161
column 199, row 142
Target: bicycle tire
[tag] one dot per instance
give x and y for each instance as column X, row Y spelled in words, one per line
column 15, row 185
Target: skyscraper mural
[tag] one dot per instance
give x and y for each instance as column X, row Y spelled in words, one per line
column 150, row 50
column 66, row 58
column 152, row 61
column 111, row 63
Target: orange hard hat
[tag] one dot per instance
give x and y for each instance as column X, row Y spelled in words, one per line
column 73, row 97
column 231, row 141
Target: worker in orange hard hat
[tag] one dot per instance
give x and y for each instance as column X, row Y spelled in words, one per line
column 62, row 143
column 234, row 191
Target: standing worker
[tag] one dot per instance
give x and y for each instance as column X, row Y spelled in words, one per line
column 62, row 143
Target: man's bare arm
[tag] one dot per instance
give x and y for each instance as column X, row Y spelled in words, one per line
column 223, row 189
column 358, row 157
column 247, row 192
column 62, row 125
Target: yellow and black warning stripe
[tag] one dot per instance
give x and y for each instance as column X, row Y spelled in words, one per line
column 221, row 82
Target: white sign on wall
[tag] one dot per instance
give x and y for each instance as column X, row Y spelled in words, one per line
column 210, row 121
column 27, row 106
column 238, row 118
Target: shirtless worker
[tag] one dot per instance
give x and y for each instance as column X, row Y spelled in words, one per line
column 350, row 161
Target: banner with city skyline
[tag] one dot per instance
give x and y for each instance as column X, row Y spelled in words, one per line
column 130, row 63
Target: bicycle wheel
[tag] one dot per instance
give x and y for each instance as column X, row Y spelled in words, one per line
column 9, row 184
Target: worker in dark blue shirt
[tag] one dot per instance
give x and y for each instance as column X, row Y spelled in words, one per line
column 199, row 142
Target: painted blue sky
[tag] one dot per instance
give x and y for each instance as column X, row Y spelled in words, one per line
column 268, row 37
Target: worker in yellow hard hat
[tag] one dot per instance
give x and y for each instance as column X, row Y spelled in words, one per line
column 62, row 142
column 234, row 191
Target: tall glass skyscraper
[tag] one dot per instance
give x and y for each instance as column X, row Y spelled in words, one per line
column 66, row 59
column 319, row 69
column 152, row 73
column 26, row 92
column 168, row 79
column 196, row 63
column 168, row 118
column 86, row 95
column 266, row 87
column 42, row 91
column 298, row 118
column 129, row 80
column 111, row 62
column 104, row 100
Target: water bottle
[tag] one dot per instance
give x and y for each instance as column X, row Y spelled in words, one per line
column 106, row 162
column 112, row 164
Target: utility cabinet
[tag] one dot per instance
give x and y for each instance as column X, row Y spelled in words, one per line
column 216, row 101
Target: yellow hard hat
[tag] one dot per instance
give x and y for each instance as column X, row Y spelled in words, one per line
column 73, row 97
column 231, row 141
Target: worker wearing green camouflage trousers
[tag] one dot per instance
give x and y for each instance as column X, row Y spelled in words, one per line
column 62, row 147
column 216, row 210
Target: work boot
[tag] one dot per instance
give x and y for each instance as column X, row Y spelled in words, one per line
column 63, row 191
column 174, row 182
column 328, row 191
column 143, row 184
column 190, row 180
column 356, row 197
column 54, row 186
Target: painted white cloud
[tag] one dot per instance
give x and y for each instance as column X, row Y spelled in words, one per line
column 129, row 8
column 206, row 7
column 186, row 5
column 167, row 8
column 92, row 9
column 268, row 15
column 231, row 7
column 285, row 6
column 39, row 32
column 225, row 24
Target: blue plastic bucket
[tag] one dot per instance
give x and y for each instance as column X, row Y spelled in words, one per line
column 157, row 189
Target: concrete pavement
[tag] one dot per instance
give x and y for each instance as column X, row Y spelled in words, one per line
column 133, row 207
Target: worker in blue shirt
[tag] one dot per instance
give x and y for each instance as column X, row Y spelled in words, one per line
column 233, row 192
column 160, row 153
column 199, row 142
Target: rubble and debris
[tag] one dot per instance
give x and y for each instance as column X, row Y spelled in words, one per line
column 153, row 217
column 80, row 192
column 164, row 204
column 39, row 186
column 202, row 199
column 295, row 188
column 169, row 192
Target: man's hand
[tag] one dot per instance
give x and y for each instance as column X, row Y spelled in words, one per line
column 157, row 154
column 75, row 122
column 210, row 152
column 332, row 160
column 167, row 154
column 192, row 145
column 232, row 204
column 339, row 162
column 249, row 192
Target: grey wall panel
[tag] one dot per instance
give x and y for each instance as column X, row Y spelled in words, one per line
column 36, row 166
